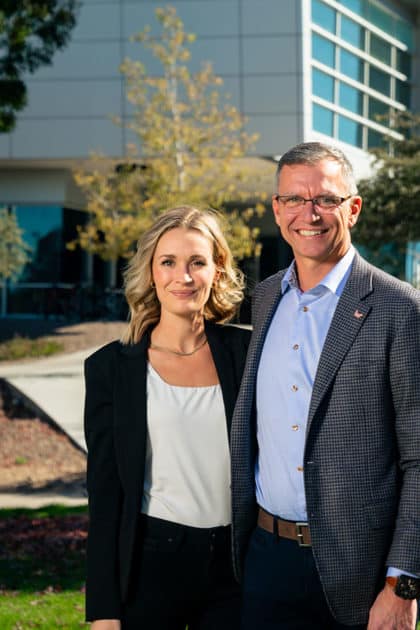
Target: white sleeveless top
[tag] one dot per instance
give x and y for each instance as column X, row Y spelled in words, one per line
column 187, row 471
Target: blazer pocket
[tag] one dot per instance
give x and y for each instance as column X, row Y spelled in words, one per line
column 166, row 543
column 381, row 515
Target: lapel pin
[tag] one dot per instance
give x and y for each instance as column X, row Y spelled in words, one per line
column 357, row 314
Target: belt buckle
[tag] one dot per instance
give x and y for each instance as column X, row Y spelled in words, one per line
column 299, row 534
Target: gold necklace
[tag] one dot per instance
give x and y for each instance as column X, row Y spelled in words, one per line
column 153, row 346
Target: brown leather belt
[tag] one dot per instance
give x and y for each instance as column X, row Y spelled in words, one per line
column 285, row 529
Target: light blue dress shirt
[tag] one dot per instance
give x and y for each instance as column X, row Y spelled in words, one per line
column 285, row 379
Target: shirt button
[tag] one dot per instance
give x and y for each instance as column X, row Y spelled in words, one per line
column 295, row 388
column 305, row 309
column 295, row 427
column 296, row 346
column 299, row 468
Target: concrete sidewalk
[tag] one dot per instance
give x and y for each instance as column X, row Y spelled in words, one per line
column 56, row 386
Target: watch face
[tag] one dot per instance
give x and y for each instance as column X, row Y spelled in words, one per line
column 408, row 587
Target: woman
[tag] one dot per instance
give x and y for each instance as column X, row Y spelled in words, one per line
column 157, row 418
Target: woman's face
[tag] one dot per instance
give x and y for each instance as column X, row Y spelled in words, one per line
column 183, row 271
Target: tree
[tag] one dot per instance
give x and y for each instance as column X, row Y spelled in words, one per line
column 190, row 140
column 391, row 197
column 30, row 33
column 13, row 249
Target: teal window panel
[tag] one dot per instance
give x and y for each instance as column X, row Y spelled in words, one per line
column 323, row 119
column 376, row 140
column 324, row 16
column 380, row 18
column 404, row 32
column 350, row 98
column 351, row 65
column 404, row 62
column 323, row 50
column 379, row 80
column 402, row 92
column 357, row 6
column 380, row 49
column 352, row 32
column 350, row 131
column 322, row 85
column 377, row 110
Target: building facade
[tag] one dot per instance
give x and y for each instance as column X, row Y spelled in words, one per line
column 298, row 70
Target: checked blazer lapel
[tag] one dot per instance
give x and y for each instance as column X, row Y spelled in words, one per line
column 349, row 317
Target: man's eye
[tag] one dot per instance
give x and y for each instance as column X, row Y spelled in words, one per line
column 328, row 201
column 295, row 199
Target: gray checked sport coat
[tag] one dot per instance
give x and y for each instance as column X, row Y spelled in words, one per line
column 362, row 450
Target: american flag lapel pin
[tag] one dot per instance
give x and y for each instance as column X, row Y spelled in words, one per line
column 357, row 314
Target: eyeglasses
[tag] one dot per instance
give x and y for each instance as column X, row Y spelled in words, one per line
column 324, row 203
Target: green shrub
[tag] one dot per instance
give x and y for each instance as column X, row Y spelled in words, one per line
column 22, row 348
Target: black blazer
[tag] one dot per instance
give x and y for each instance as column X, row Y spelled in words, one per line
column 115, row 431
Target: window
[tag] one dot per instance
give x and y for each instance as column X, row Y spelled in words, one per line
column 323, row 85
column 380, row 49
column 402, row 92
column 41, row 227
column 375, row 140
column 377, row 109
column 323, row 120
column 350, row 131
column 379, row 81
column 351, row 98
column 354, row 5
column 352, row 32
column 380, row 18
column 403, row 62
column 351, row 65
column 323, row 15
column 323, row 50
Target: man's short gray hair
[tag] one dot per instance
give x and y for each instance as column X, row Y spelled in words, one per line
column 311, row 153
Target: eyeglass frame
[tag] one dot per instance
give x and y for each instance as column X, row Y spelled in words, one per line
column 313, row 201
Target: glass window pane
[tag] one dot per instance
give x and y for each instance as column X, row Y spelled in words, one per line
column 42, row 230
column 380, row 18
column 379, row 81
column 377, row 109
column 323, row 15
column 404, row 62
column 375, row 139
column 380, row 49
column 354, row 5
column 322, row 119
column 402, row 92
column 351, row 65
column 322, row 85
column 323, row 50
column 352, row 32
column 351, row 99
column 349, row 131
column 404, row 32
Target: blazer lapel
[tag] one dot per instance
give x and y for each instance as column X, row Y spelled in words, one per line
column 222, row 357
column 131, row 412
column 349, row 317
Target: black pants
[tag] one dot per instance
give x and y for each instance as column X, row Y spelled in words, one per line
column 282, row 590
column 183, row 576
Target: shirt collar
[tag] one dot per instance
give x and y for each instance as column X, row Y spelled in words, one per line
column 334, row 281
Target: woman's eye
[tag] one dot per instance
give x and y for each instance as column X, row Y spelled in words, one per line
column 198, row 263
column 167, row 263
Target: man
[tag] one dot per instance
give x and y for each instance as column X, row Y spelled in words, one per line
column 326, row 431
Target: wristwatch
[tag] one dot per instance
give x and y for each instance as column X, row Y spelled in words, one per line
column 405, row 586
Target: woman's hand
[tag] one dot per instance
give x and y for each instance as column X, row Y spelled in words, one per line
column 106, row 624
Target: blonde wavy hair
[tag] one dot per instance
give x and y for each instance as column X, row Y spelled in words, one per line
column 227, row 291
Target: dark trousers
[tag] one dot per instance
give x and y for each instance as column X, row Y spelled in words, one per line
column 183, row 576
column 282, row 589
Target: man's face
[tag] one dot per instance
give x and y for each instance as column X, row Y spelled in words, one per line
column 316, row 236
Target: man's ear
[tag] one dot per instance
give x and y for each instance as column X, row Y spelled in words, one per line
column 276, row 208
column 355, row 209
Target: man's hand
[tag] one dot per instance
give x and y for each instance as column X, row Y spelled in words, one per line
column 390, row 612
column 106, row 624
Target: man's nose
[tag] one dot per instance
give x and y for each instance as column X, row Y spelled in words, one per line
column 310, row 211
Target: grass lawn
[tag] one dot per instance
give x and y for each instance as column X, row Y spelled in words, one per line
column 42, row 564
